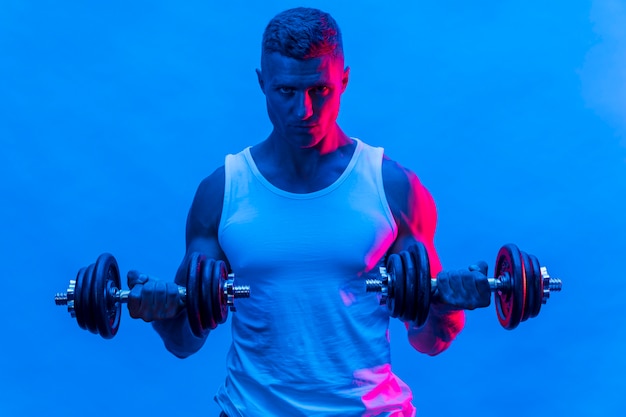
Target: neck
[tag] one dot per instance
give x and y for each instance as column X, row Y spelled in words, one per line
column 305, row 162
column 297, row 169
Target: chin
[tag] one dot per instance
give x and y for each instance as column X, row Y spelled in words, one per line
column 304, row 139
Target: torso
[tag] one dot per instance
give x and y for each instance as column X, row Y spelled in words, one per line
column 348, row 230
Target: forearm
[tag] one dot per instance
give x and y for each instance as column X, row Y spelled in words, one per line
column 177, row 336
column 440, row 329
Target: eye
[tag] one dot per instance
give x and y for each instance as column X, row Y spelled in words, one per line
column 285, row 90
column 321, row 90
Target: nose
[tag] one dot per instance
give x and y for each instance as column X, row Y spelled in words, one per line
column 304, row 109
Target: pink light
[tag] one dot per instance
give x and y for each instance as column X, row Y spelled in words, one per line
column 388, row 392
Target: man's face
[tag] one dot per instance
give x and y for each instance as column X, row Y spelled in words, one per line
column 303, row 96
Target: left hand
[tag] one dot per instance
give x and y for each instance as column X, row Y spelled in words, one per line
column 464, row 289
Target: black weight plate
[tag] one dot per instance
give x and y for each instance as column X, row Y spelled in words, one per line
column 391, row 277
column 206, row 310
column 529, row 295
column 79, row 287
column 411, row 277
column 220, row 305
column 422, row 264
column 194, row 295
column 107, row 312
column 395, row 285
column 509, row 303
column 537, row 286
column 88, row 301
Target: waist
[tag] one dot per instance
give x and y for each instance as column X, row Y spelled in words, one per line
column 319, row 325
column 328, row 354
column 375, row 391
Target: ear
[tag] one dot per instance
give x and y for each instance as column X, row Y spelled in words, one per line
column 345, row 78
column 259, row 76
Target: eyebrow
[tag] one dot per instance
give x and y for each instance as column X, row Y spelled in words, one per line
column 289, row 81
column 284, row 83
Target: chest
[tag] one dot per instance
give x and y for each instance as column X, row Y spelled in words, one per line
column 345, row 233
column 347, row 229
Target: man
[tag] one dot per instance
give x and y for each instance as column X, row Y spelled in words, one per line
column 302, row 217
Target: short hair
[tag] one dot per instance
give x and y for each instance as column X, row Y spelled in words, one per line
column 303, row 33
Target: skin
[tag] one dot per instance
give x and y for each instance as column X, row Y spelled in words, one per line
column 306, row 159
column 303, row 93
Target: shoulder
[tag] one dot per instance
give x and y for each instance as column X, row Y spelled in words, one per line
column 411, row 204
column 213, row 183
column 402, row 184
column 211, row 188
column 396, row 176
column 206, row 208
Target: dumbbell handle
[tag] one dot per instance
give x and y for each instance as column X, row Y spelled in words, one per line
column 118, row 295
column 495, row 284
column 376, row 285
column 501, row 283
column 121, row 296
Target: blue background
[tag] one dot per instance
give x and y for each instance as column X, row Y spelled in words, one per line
column 513, row 114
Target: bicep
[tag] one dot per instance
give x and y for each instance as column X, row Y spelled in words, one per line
column 414, row 211
column 201, row 234
column 426, row 219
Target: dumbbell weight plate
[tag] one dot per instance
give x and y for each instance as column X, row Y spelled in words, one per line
column 208, row 321
column 510, row 303
column 422, row 263
column 537, row 285
column 88, row 300
column 410, row 282
column 396, row 285
column 106, row 311
column 220, row 306
column 78, row 298
column 194, row 295
column 529, row 297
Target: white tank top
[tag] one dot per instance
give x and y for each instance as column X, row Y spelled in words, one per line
column 309, row 341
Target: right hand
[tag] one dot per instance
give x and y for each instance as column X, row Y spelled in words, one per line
column 151, row 299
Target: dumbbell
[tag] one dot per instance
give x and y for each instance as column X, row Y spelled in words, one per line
column 521, row 285
column 95, row 297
